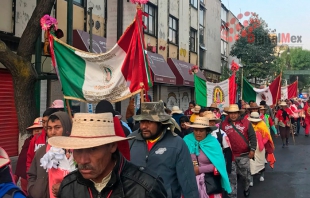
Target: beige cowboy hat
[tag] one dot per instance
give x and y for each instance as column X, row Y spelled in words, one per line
column 254, row 106
column 262, row 107
column 196, row 109
column 233, row 108
column 152, row 111
column 225, row 111
column 213, row 105
column 4, row 158
column 247, row 106
column 211, row 117
column 283, row 103
column 254, row 117
column 88, row 130
column 200, row 122
column 37, row 123
column 176, row 109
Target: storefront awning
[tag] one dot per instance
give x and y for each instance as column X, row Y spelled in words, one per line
column 181, row 71
column 81, row 41
column 160, row 69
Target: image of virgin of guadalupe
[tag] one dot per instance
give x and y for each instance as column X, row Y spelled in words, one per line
column 172, row 100
column 108, row 74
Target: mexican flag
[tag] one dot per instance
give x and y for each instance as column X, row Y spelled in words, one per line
column 113, row 76
column 289, row 91
column 222, row 93
column 269, row 94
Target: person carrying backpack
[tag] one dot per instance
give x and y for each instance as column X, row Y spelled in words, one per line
column 8, row 188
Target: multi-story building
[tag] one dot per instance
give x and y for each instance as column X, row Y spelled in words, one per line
column 178, row 35
column 230, row 27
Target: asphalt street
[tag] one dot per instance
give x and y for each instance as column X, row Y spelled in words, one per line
column 290, row 177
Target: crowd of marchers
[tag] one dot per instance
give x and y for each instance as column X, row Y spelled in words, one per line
column 158, row 152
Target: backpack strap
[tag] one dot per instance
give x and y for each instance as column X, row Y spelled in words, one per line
column 241, row 135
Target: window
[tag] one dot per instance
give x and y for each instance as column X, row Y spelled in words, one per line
column 150, row 21
column 194, row 3
column 201, row 26
column 173, row 30
column 201, row 57
column 224, row 15
column 223, row 47
column 192, row 40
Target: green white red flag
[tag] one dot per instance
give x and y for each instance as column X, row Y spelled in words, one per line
column 113, row 76
column 269, row 94
column 222, row 93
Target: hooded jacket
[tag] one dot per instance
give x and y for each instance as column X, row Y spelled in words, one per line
column 38, row 177
column 170, row 159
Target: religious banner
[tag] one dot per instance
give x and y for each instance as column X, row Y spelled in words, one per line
column 222, row 93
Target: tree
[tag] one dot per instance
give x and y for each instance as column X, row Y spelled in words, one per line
column 255, row 47
column 19, row 64
column 299, row 59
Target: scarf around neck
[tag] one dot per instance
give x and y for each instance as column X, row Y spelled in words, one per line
column 212, row 149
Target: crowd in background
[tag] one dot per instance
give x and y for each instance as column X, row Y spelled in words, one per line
column 196, row 153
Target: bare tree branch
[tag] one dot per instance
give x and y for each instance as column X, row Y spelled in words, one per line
column 33, row 29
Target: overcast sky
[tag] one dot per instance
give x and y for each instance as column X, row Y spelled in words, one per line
column 286, row 16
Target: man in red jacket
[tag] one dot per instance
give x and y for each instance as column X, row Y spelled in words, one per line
column 20, row 171
column 243, row 142
column 40, row 139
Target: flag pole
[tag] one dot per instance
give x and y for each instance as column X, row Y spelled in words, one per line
column 297, row 88
column 279, row 88
column 68, row 108
column 141, row 95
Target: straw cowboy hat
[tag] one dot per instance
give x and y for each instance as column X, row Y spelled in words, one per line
column 4, row 158
column 225, row 111
column 211, row 117
column 262, row 107
column 233, row 108
column 88, row 130
column 283, row 103
column 254, row 117
column 213, row 105
column 176, row 109
column 247, row 106
column 152, row 111
column 200, row 122
column 196, row 109
column 37, row 123
column 254, row 106
column 59, row 104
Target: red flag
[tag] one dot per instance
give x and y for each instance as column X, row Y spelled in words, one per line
column 275, row 89
column 232, row 89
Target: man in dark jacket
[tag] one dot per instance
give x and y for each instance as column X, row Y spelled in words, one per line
column 243, row 142
column 157, row 147
column 102, row 169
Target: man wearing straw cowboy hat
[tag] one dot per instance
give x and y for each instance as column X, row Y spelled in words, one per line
column 102, row 170
column 159, row 149
column 243, row 142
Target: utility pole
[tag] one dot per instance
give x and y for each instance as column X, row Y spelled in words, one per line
column 70, row 22
column 91, row 24
column 38, row 59
column 118, row 105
